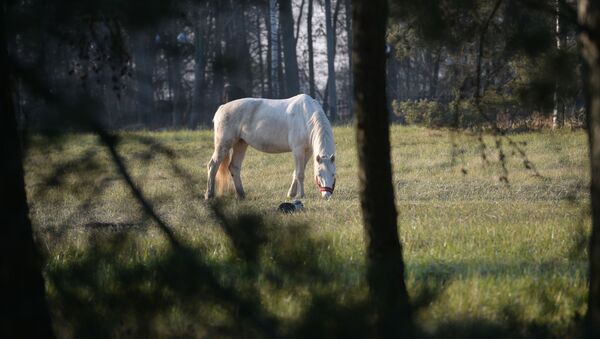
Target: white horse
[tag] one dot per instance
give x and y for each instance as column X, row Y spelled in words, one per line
column 296, row 125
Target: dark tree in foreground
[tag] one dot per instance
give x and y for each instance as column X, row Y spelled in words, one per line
column 384, row 257
column 22, row 300
column 589, row 19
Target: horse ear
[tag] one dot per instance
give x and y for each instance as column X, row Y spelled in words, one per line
column 332, row 158
column 318, row 158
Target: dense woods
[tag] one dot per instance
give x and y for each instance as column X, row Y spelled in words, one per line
column 496, row 66
column 156, row 66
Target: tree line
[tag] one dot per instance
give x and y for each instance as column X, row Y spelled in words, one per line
column 450, row 63
column 176, row 67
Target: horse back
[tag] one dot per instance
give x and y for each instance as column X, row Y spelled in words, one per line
column 262, row 123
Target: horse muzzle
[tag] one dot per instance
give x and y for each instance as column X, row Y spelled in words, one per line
column 326, row 192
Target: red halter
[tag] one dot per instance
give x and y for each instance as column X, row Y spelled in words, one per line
column 323, row 188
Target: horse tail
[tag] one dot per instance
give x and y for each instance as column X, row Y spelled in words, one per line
column 223, row 181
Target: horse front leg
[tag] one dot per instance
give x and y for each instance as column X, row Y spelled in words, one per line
column 297, row 187
column 294, row 187
column 307, row 156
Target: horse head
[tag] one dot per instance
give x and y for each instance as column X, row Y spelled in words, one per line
column 325, row 174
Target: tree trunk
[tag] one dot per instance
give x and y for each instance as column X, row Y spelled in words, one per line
column 408, row 79
column 218, row 80
column 311, row 53
column 435, row 75
column 589, row 20
column 348, row 9
column 261, row 65
column 144, row 55
column 274, row 44
column 174, row 73
column 555, row 120
column 331, row 87
column 198, row 98
column 22, row 294
column 280, row 75
column 385, row 268
column 392, row 80
column 289, row 48
column 481, row 44
column 237, row 49
column 176, row 87
column 269, row 57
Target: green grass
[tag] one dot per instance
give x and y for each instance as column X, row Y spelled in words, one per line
column 491, row 256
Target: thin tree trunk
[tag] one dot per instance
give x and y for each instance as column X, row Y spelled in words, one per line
column 289, row 48
column 198, row 99
column 144, row 68
column 311, row 53
column 270, row 70
column 385, row 268
column 237, row 48
column 589, row 38
column 435, row 75
column 555, row 118
column 392, row 80
column 176, row 87
column 274, row 43
column 219, row 73
column 408, row 79
column 481, row 45
column 298, row 23
column 22, row 293
column 331, row 83
column 348, row 9
column 280, row 75
column 261, row 65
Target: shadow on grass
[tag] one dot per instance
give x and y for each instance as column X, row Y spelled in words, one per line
column 276, row 282
column 273, row 281
column 114, row 288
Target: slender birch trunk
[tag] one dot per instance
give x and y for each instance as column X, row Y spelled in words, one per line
column 331, row 83
column 555, row 117
column 311, row 53
column 274, row 39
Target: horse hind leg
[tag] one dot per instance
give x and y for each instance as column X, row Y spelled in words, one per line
column 213, row 165
column 235, row 167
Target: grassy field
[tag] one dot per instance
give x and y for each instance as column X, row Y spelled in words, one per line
column 483, row 254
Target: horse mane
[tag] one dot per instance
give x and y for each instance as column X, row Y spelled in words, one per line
column 321, row 134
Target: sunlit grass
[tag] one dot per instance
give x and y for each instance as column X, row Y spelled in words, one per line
column 494, row 252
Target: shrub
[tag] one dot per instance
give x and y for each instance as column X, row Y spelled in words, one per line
column 457, row 113
column 422, row 112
